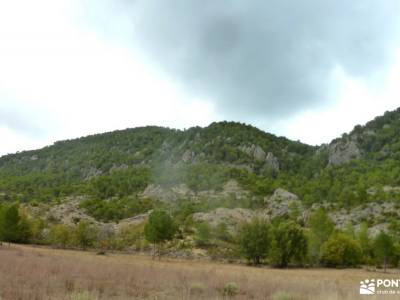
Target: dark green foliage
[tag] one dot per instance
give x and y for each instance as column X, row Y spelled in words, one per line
column 341, row 251
column 9, row 224
column 159, row 228
column 120, row 183
column 14, row 227
column 123, row 163
column 254, row 240
column 289, row 244
column 112, row 169
column 384, row 249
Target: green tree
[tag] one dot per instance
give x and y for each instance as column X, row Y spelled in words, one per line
column 341, row 251
column 321, row 228
column 254, row 240
column 203, row 234
column 365, row 242
column 10, row 230
column 85, row 234
column 289, row 244
column 383, row 248
column 24, row 229
column 60, row 235
column 222, row 233
column 159, row 228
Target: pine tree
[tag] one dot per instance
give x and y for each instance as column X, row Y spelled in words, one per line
column 10, row 224
column 383, row 248
column 159, row 228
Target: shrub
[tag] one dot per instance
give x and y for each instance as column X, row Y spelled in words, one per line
column 85, row 234
column 341, row 251
column 254, row 240
column 203, row 234
column 289, row 244
column 60, row 235
column 231, row 289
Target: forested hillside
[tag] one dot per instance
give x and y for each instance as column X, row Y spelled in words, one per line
column 124, row 162
column 229, row 190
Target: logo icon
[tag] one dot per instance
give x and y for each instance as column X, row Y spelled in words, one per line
column 367, row 287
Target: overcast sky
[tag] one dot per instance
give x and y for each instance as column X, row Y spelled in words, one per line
column 309, row 70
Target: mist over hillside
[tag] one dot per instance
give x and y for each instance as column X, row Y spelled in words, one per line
column 206, row 158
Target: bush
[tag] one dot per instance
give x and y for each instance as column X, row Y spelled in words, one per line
column 85, row 235
column 60, row 235
column 289, row 244
column 14, row 226
column 231, row 289
column 254, row 240
column 203, row 234
column 341, row 251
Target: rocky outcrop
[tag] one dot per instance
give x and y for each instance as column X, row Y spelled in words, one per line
column 229, row 216
column 133, row 221
column 188, row 156
column 282, row 195
column 387, row 189
column 271, row 161
column 167, row 194
column 92, row 172
column 181, row 191
column 283, row 203
column 69, row 212
column 379, row 213
column 343, row 152
column 254, row 151
column 258, row 154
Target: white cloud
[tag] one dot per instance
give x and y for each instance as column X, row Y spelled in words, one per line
column 60, row 78
column 67, row 81
column 357, row 103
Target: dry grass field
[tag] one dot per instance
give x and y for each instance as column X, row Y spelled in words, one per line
column 40, row 273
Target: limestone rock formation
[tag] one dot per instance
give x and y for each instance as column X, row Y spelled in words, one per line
column 283, row 203
column 343, row 152
column 258, row 154
column 272, row 161
column 229, row 216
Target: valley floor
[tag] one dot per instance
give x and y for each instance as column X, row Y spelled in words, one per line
column 28, row 272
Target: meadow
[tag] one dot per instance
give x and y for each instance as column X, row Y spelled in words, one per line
column 37, row 273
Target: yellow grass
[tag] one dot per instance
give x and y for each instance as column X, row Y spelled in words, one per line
column 39, row 273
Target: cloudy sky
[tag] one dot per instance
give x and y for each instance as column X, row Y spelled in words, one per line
column 309, row 70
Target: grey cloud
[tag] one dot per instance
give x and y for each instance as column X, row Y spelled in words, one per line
column 22, row 121
column 262, row 59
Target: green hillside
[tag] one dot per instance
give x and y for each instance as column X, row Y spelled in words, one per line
column 122, row 163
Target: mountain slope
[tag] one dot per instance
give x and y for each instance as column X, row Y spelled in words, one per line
column 123, row 163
